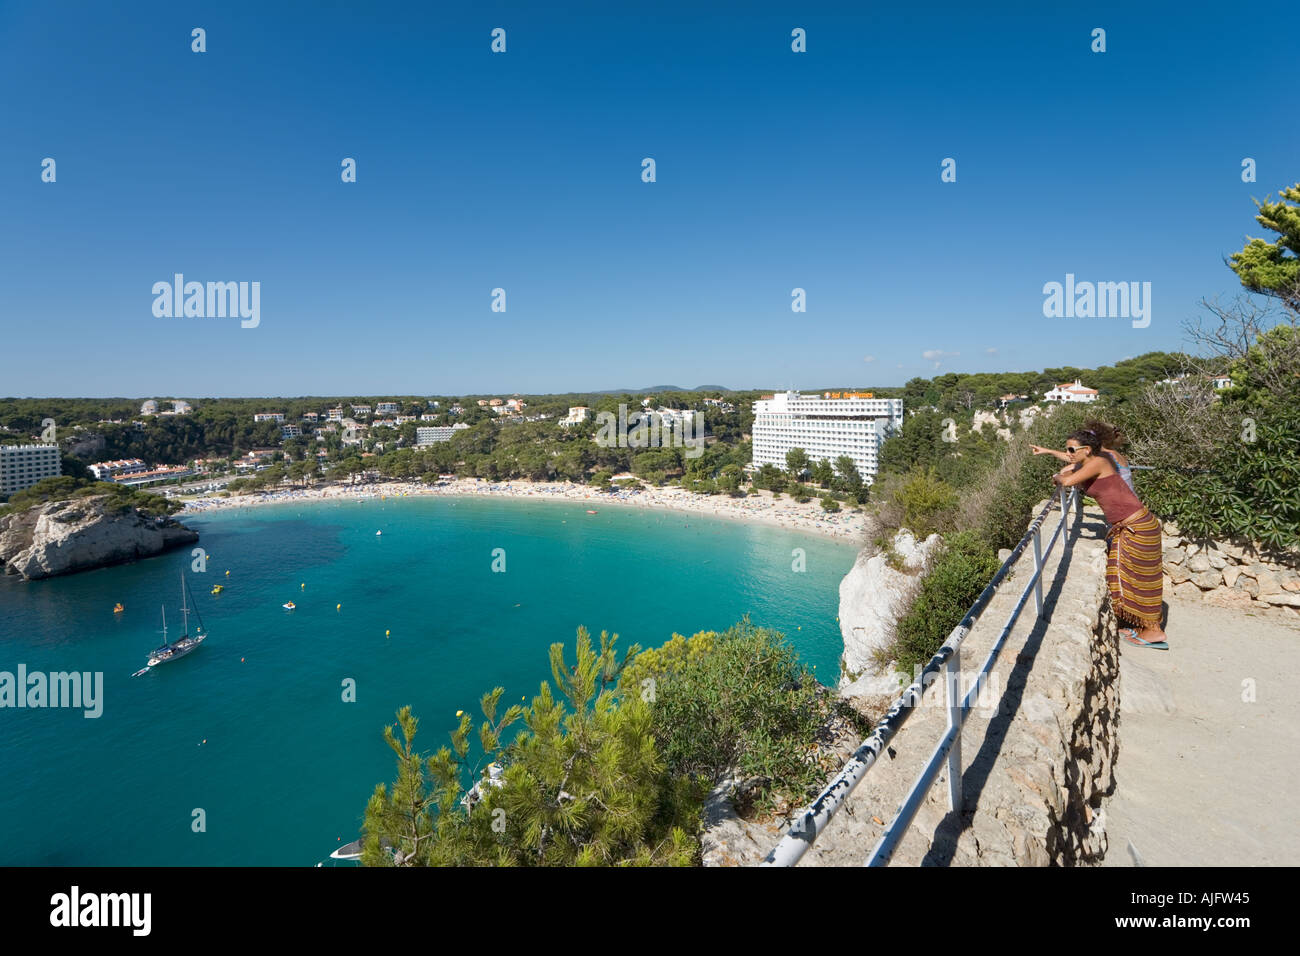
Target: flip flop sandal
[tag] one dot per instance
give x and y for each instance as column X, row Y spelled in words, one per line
column 1130, row 636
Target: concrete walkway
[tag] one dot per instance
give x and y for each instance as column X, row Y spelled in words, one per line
column 1205, row 775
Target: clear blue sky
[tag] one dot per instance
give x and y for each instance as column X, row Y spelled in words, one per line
column 775, row 170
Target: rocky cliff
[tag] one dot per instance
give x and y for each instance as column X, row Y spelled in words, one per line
column 873, row 596
column 60, row 537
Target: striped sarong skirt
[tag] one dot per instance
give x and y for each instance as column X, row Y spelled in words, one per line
column 1134, row 571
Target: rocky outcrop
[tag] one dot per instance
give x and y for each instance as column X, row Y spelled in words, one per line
column 1231, row 573
column 873, row 596
column 60, row 537
column 999, row 423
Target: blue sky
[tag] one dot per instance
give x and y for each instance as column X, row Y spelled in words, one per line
column 522, row 170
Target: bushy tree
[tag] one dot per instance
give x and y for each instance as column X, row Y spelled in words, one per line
column 582, row 784
column 1273, row 268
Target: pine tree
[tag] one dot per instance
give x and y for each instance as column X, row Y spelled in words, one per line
column 583, row 783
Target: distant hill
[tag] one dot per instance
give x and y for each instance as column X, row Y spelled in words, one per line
column 653, row 389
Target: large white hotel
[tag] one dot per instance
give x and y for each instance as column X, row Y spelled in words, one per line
column 825, row 426
column 21, row 466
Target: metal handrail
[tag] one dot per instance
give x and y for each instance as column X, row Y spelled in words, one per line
column 814, row 820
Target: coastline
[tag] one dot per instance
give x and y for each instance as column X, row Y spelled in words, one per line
column 758, row 507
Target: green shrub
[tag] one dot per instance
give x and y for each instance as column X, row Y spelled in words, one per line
column 654, row 666
column 748, row 701
column 929, row 504
column 961, row 571
column 1254, row 491
column 830, row 504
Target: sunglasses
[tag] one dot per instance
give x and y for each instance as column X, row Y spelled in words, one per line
column 1074, row 448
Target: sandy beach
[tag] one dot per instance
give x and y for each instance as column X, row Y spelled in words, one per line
column 760, row 506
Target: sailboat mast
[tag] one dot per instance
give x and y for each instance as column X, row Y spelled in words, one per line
column 184, row 608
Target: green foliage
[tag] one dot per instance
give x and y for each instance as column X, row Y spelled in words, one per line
column 1273, row 268
column 658, row 665
column 741, row 699
column 958, row 575
column 1254, row 493
column 796, row 462
column 121, row 498
column 928, row 504
column 582, row 784
column 829, row 504
column 823, row 473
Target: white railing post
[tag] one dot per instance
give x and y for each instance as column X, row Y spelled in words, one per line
column 1038, row 567
column 954, row 725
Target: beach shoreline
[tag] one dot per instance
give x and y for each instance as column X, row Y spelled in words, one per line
column 760, row 507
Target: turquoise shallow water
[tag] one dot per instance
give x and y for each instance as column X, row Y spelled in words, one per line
column 288, row 765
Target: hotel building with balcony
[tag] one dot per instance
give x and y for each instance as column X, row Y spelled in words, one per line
column 21, row 466
column 826, row 426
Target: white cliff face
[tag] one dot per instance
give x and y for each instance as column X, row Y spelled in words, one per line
column 60, row 537
column 873, row 596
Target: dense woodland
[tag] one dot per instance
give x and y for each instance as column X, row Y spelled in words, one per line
column 495, row 448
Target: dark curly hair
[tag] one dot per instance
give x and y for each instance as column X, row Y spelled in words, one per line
column 1086, row 436
column 1109, row 435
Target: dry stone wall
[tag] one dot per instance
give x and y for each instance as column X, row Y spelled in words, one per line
column 1232, row 573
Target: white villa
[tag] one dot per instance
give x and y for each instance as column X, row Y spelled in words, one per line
column 1071, row 392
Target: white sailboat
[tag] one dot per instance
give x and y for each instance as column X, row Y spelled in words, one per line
column 169, row 651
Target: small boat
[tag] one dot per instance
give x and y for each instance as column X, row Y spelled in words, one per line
column 351, row 851
column 118, row 609
column 169, row 651
column 590, row 512
column 218, row 588
column 288, row 605
column 378, row 532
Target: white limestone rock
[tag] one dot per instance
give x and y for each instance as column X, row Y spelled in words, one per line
column 61, row 537
column 873, row 596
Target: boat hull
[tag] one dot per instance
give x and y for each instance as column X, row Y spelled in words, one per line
column 174, row 652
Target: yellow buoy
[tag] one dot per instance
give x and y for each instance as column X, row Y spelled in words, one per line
column 459, row 712
column 338, row 607
column 227, row 574
column 303, row 585
column 386, row 633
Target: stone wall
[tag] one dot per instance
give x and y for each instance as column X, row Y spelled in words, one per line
column 1233, row 573
column 1054, row 762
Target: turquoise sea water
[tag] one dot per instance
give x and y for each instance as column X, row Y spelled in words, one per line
column 287, row 765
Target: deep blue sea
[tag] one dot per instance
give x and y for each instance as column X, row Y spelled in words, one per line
column 252, row 728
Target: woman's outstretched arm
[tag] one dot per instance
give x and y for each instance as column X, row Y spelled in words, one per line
column 1040, row 450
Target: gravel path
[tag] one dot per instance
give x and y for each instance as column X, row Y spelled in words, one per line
column 1206, row 774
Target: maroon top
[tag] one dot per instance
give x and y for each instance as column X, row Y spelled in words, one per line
column 1115, row 497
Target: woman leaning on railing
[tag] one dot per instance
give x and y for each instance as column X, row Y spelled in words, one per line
column 1133, row 556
